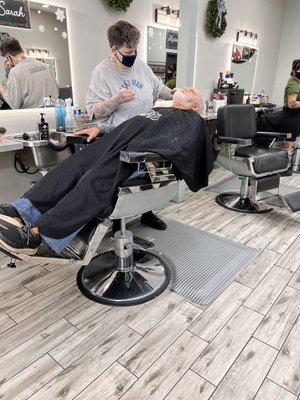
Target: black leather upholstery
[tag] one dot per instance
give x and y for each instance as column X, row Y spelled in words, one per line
column 237, row 121
column 264, row 160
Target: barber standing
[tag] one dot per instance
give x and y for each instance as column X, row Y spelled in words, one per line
column 287, row 120
column 123, row 86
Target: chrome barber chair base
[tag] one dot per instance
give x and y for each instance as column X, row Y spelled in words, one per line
column 233, row 201
column 103, row 282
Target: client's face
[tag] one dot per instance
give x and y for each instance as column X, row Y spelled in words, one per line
column 187, row 99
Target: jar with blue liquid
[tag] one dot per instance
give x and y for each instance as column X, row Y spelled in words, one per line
column 60, row 115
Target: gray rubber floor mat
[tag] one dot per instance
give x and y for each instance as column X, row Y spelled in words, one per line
column 202, row 264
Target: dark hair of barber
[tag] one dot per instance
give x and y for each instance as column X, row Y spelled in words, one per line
column 123, row 33
column 295, row 66
column 10, row 46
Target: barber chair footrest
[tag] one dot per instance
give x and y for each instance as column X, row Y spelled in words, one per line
column 293, row 201
column 233, row 201
column 102, row 282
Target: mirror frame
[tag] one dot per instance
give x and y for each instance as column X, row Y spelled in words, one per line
column 255, row 71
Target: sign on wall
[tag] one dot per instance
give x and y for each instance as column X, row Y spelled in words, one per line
column 172, row 40
column 15, row 14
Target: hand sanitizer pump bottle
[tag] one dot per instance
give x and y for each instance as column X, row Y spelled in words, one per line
column 70, row 121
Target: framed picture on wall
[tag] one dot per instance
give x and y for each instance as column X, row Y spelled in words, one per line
column 15, row 14
column 172, row 40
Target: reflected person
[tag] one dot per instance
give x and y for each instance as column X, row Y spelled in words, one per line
column 29, row 80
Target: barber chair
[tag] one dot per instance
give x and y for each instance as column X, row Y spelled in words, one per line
column 258, row 168
column 129, row 274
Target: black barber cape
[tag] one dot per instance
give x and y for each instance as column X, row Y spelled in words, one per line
column 92, row 176
column 180, row 136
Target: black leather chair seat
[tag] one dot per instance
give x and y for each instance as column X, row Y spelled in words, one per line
column 265, row 160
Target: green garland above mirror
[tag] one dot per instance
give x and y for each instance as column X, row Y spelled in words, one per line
column 216, row 23
column 119, row 5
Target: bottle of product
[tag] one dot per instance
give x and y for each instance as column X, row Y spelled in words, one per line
column 70, row 122
column 48, row 101
column 43, row 128
column 60, row 114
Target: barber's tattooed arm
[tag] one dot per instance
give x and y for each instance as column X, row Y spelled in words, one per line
column 107, row 107
column 103, row 129
column 165, row 93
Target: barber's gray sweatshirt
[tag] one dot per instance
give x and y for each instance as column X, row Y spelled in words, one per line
column 106, row 82
column 28, row 83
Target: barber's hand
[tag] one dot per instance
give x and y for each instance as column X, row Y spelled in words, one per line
column 92, row 133
column 2, row 89
column 127, row 95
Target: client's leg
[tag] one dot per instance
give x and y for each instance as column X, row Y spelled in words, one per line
column 92, row 196
column 54, row 186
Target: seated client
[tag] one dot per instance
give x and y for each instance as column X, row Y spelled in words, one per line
column 84, row 185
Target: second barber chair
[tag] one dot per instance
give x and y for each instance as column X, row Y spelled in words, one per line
column 258, row 168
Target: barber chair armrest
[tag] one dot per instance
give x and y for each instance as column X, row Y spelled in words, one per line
column 274, row 135
column 71, row 139
column 133, row 157
column 233, row 140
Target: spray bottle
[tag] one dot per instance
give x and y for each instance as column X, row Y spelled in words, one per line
column 70, row 119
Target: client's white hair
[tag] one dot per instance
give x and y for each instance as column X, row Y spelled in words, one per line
column 182, row 96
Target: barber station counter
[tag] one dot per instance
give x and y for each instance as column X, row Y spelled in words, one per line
column 9, row 145
column 12, row 183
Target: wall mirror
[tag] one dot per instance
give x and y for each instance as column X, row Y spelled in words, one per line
column 243, row 66
column 46, row 40
column 162, row 48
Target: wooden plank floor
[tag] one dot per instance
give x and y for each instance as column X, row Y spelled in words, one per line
column 56, row 344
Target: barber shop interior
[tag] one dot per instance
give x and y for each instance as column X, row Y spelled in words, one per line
column 149, row 200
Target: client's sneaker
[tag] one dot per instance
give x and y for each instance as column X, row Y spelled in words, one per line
column 20, row 240
column 7, row 212
column 153, row 221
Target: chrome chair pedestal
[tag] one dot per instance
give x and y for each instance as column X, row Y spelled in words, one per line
column 124, row 276
column 233, row 201
column 105, row 283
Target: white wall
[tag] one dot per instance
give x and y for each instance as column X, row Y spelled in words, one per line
column 213, row 55
column 49, row 40
column 289, row 50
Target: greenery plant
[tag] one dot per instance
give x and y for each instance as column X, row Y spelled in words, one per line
column 212, row 27
column 119, row 5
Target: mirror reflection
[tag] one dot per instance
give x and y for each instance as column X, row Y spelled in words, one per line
column 162, row 48
column 243, row 66
column 34, row 63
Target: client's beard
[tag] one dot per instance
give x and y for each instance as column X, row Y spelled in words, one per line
column 181, row 98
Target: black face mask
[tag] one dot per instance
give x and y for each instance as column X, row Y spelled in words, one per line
column 128, row 61
column 297, row 74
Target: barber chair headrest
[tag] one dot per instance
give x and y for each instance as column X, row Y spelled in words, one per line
column 238, row 121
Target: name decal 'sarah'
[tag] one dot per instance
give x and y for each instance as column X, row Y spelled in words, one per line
column 15, row 14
